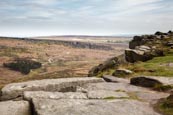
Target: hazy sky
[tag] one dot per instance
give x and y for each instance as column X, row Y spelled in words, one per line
column 84, row 17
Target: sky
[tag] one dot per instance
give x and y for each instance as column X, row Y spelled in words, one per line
column 23, row 18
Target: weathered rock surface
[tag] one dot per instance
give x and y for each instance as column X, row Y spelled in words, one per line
column 104, row 94
column 142, row 53
column 91, row 107
column 151, row 95
column 143, row 48
column 114, row 87
column 29, row 95
column 145, row 82
column 15, row 90
column 15, row 108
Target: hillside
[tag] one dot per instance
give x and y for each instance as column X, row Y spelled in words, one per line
column 123, row 89
column 147, row 55
column 58, row 58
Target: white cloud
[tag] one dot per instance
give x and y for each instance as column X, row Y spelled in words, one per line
column 86, row 17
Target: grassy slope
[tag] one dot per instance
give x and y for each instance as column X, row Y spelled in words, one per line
column 158, row 66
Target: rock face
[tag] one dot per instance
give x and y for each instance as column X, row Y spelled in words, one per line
column 142, row 53
column 15, row 90
column 15, row 108
column 143, row 48
column 145, row 82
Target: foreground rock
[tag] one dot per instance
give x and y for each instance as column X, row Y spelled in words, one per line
column 80, row 96
column 145, row 82
column 100, row 68
column 142, row 53
column 29, row 95
column 91, row 107
column 15, row 90
column 15, row 108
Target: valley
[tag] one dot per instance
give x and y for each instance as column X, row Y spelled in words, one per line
column 61, row 57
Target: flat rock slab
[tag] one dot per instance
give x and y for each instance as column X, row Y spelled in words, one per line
column 28, row 95
column 114, row 87
column 91, row 107
column 11, row 91
column 15, row 108
column 104, row 94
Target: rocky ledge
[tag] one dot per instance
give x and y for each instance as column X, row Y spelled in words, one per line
column 79, row 96
column 141, row 48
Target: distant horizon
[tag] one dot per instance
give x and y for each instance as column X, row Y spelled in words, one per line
column 72, row 35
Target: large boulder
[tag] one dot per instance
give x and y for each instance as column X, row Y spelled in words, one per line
column 142, row 53
column 137, row 41
column 14, row 90
column 145, row 82
column 137, row 55
column 113, row 62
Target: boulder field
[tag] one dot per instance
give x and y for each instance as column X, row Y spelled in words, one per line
column 79, row 96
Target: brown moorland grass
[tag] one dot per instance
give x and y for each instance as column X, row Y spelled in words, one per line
column 57, row 60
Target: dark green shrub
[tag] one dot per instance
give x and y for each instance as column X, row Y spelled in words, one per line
column 23, row 65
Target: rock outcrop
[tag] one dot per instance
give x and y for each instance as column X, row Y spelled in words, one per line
column 92, row 96
column 113, row 62
column 143, row 48
column 110, row 63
